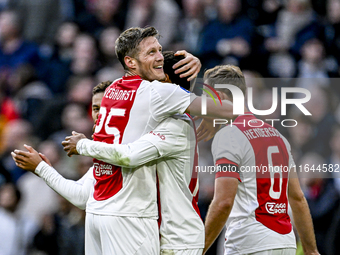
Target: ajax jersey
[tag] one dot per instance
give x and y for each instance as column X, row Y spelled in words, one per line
column 130, row 108
column 259, row 219
column 172, row 148
column 181, row 225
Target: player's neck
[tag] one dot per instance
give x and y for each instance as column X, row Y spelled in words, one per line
column 130, row 73
column 246, row 109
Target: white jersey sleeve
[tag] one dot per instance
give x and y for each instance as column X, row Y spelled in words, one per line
column 167, row 137
column 226, row 144
column 170, row 99
column 158, row 143
column 124, row 155
column 76, row 192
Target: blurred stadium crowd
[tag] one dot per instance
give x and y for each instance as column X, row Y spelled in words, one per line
column 53, row 52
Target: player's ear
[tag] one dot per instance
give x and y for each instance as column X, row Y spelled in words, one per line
column 130, row 62
column 167, row 79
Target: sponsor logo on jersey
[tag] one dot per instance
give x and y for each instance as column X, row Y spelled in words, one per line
column 157, row 134
column 102, row 169
column 275, row 208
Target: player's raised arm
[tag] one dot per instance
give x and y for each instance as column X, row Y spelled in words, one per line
column 158, row 143
column 125, row 155
column 224, row 111
column 77, row 192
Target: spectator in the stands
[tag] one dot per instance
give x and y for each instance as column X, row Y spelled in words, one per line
column 14, row 50
column 190, row 25
column 60, row 58
column 322, row 197
column 322, row 118
column 227, row 38
column 29, row 93
column 79, row 91
column 16, row 231
column 107, row 54
column 332, row 30
column 296, row 23
column 85, row 55
column 313, row 68
column 334, row 157
column 64, row 40
column 296, row 16
column 104, row 13
column 41, row 20
column 16, row 133
column 162, row 14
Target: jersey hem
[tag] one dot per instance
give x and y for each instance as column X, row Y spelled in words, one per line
column 263, row 248
column 169, row 247
column 134, row 215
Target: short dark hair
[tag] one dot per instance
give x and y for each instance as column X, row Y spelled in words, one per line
column 169, row 60
column 225, row 74
column 101, row 87
column 128, row 41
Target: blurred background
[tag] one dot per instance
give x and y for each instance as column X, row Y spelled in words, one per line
column 53, row 52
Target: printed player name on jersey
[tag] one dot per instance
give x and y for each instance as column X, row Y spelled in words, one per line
column 274, row 208
column 118, row 94
column 260, row 132
column 101, row 169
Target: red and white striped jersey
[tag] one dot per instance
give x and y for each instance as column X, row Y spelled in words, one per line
column 259, row 218
column 130, row 108
column 181, row 225
column 172, row 147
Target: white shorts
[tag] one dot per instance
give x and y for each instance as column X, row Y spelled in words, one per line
column 182, row 252
column 283, row 251
column 112, row 235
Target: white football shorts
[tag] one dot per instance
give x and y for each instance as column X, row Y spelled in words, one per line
column 182, row 252
column 113, row 235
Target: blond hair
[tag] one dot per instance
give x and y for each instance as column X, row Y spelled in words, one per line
column 225, row 74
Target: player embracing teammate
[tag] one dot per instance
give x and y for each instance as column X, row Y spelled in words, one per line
column 121, row 206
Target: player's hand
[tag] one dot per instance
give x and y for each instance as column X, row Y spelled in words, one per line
column 70, row 143
column 206, row 129
column 191, row 65
column 27, row 160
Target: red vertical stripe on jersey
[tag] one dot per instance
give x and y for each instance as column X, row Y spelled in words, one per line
column 118, row 100
column 194, row 180
column 272, row 211
column 159, row 204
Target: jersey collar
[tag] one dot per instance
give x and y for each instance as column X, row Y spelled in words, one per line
column 134, row 77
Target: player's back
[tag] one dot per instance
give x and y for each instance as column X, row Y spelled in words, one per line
column 130, row 108
column 181, row 225
column 259, row 219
